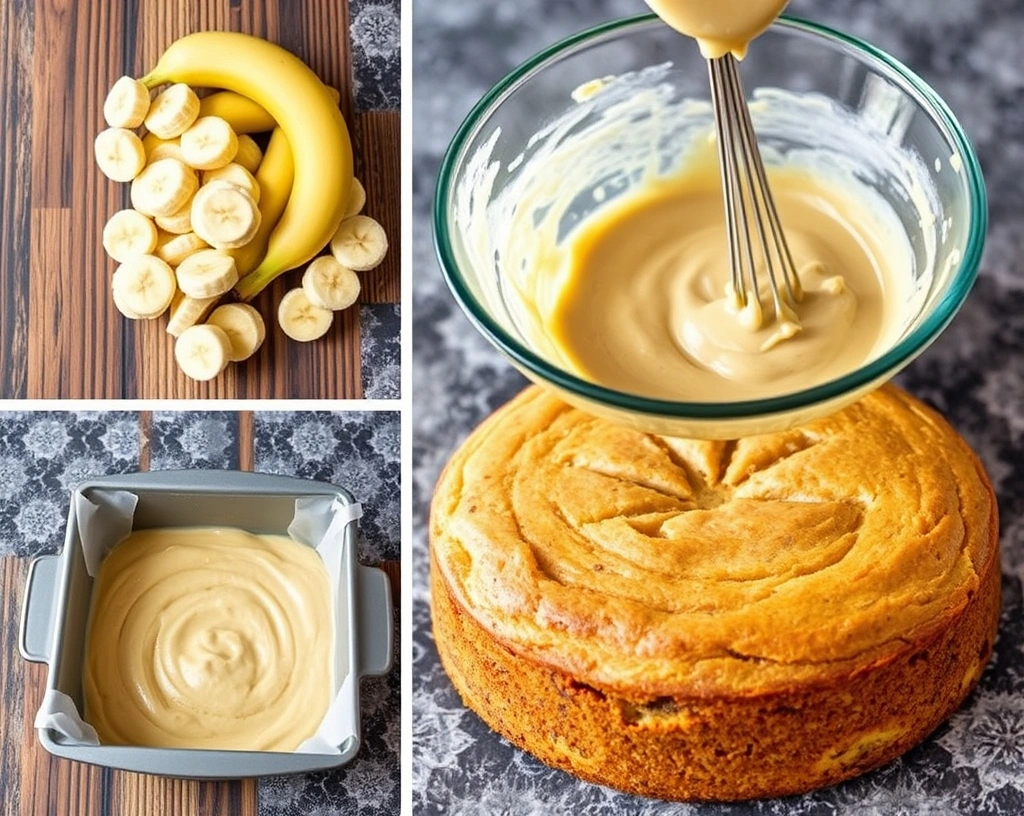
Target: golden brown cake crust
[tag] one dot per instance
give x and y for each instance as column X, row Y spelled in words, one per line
column 714, row 620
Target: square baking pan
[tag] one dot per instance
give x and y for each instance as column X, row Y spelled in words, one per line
column 59, row 591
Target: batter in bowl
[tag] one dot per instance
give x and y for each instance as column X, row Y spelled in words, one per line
column 641, row 302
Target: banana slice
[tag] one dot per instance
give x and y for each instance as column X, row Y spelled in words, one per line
column 157, row 149
column 127, row 103
column 178, row 222
column 225, row 216
column 356, row 199
column 359, row 243
column 234, row 173
column 207, row 273
column 249, row 154
column 173, row 111
column 244, row 327
column 143, row 287
column 300, row 319
column 177, row 248
column 210, row 143
column 187, row 311
column 202, row 352
column 119, row 154
column 330, row 285
column 129, row 234
column 163, row 187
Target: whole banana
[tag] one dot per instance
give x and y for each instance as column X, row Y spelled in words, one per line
column 244, row 115
column 275, row 177
column 315, row 130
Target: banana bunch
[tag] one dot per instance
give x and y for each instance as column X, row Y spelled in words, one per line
column 228, row 191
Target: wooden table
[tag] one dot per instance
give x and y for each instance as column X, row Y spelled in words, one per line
column 33, row 782
column 60, row 335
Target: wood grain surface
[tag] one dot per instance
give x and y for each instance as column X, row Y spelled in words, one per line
column 34, row 783
column 60, row 335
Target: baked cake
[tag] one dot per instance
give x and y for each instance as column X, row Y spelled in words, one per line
column 715, row 620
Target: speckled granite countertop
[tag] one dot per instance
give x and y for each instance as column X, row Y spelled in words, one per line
column 969, row 51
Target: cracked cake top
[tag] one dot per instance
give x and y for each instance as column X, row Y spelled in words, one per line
column 694, row 568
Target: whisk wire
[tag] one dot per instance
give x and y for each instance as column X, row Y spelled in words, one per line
column 789, row 273
column 739, row 239
column 755, row 190
column 745, row 187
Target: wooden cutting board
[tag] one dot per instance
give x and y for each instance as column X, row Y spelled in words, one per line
column 60, row 335
column 34, row 783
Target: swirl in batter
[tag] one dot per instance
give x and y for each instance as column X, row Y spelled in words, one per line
column 641, row 306
column 209, row 638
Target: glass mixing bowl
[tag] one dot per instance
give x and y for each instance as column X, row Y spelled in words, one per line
column 639, row 91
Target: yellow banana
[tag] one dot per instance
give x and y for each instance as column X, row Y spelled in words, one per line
column 312, row 124
column 274, row 176
column 244, row 115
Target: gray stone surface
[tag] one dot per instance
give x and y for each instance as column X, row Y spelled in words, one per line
column 969, row 52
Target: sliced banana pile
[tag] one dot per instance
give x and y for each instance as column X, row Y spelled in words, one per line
column 197, row 228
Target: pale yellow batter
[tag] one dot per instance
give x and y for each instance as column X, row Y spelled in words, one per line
column 640, row 304
column 209, row 638
column 719, row 26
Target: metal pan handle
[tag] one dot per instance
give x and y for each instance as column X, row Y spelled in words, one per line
column 36, row 634
column 376, row 626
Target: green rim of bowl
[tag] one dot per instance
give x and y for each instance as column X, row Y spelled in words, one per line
column 885, row 366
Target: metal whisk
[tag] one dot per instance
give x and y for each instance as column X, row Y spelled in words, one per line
column 749, row 206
